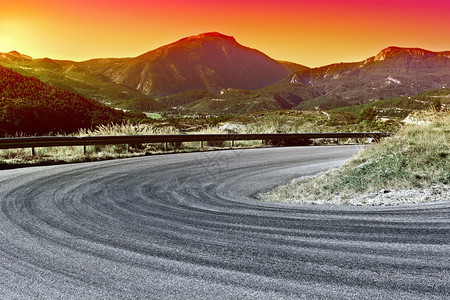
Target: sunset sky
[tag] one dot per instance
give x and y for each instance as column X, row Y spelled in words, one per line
column 312, row 33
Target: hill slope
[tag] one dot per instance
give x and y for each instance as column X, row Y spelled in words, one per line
column 412, row 166
column 30, row 106
column 69, row 75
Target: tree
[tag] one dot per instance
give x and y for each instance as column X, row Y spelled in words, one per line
column 367, row 114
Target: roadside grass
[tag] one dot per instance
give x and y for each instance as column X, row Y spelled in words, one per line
column 418, row 156
column 56, row 155
column 13, row 158
column 287, row 121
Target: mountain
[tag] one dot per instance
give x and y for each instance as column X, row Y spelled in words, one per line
column 14, row 56
column 29, row 106
column 209, row 61
column 394, row 72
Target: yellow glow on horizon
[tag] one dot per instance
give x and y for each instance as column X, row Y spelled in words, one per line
column 21, row 28
column 312, row 33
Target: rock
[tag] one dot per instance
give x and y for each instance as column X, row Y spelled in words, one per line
column 233, row 128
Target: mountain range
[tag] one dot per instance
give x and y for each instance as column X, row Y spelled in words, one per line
column 212, row 72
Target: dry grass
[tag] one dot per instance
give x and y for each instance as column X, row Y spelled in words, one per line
column 50, row 155
column 55, row 155
column 126, row 129
column 267, row 122
column 418, row 156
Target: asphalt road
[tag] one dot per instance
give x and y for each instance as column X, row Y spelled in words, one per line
column 187, row 226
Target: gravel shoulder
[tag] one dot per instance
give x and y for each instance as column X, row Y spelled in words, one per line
column 383, row 197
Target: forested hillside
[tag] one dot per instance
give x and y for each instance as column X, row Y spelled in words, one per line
column 29, row 106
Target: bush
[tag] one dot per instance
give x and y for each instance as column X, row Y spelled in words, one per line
column 367, row 114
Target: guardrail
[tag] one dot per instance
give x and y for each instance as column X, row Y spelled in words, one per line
column 51, row 141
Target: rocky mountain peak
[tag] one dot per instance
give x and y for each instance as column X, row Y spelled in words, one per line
column 416, row 53
column 213, row 36
column 17, row 55
column 387, row 53
column 206, row 37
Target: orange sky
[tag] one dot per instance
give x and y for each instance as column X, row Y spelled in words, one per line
column 312, row 33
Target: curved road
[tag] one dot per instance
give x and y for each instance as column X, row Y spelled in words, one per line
column 187, row 226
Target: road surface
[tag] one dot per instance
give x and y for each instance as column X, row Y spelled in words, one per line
column 187, row 226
